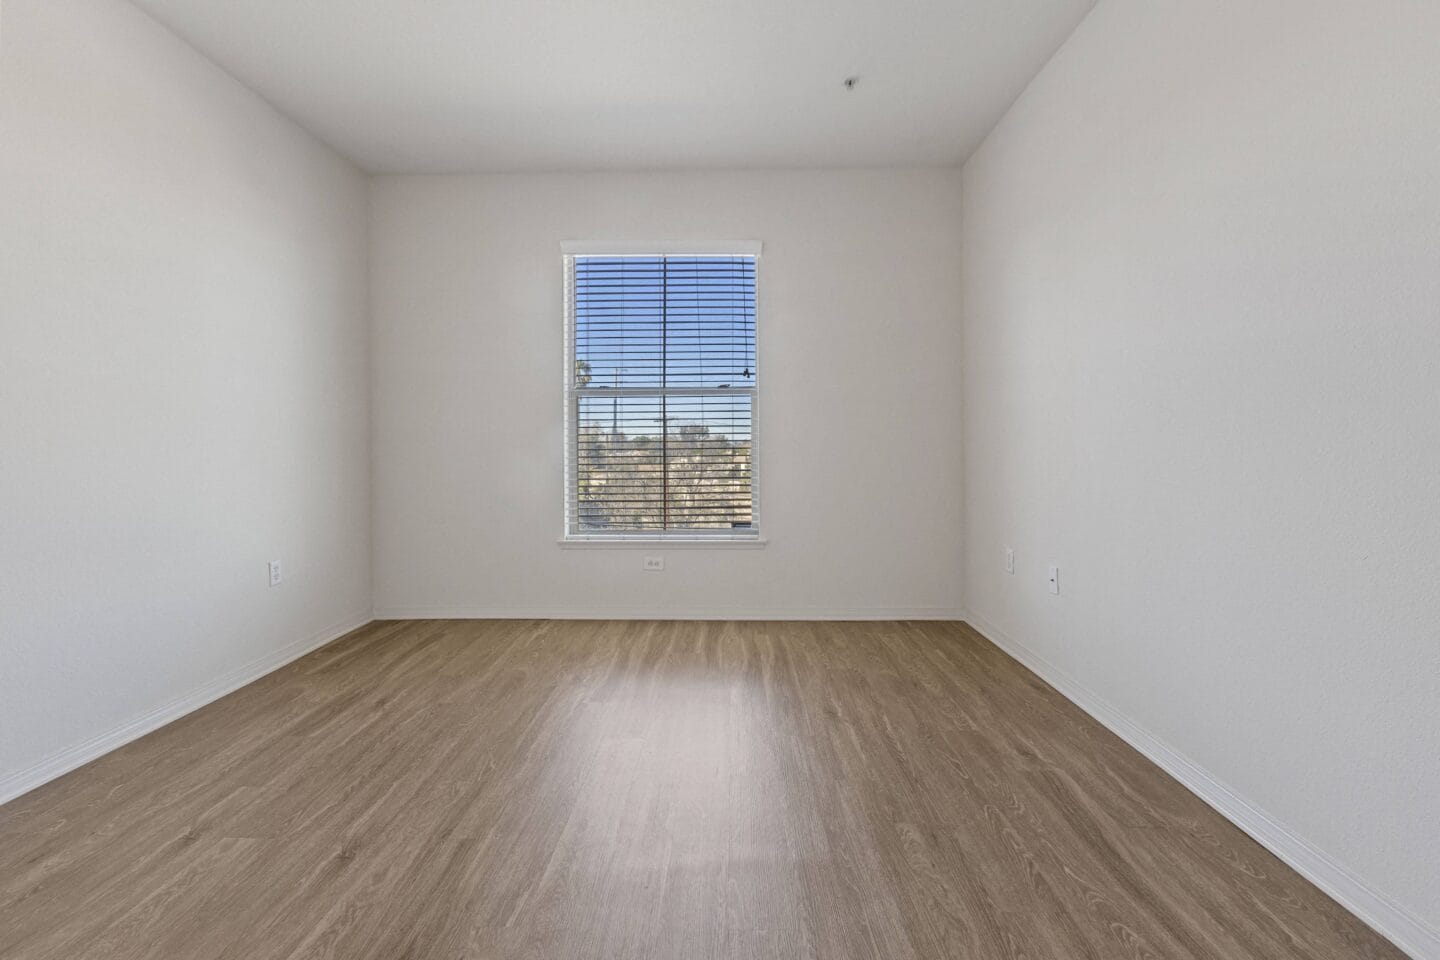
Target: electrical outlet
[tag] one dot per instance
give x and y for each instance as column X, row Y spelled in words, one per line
column 1054, row 579
column 275, row 574
column 654, row 563
column 1009, row 561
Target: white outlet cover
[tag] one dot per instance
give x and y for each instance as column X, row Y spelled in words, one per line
column 654, row 563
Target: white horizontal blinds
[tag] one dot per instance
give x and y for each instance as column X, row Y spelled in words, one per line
column 662, row 396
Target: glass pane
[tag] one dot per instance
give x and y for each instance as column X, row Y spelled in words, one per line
column 710, row 322
column 651, row 463
column 708, row 462
column 646, row 322
column 619, row 465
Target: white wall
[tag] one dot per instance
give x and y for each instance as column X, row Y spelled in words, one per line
column 1202, row 274
column 183, row 364
column 859, row 338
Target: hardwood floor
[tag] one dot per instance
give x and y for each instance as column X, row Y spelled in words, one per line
column 613, row 790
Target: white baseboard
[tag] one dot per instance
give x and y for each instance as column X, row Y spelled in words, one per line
column 23, row 781
column 602, row 612
column 1401, row 927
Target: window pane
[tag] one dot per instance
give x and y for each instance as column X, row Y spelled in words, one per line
column 619, row 464
column 619, row 339
column 710, row 322
column 708, row 455
column 671, row 447
column 664, row 321
column 693, row 472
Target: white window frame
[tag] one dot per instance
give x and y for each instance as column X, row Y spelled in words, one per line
column 705, row 539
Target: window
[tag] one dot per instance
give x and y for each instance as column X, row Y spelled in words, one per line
column 660, row 374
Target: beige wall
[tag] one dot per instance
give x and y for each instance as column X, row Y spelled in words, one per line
column 859, row 339
column 183, row 390
column 1202, row 344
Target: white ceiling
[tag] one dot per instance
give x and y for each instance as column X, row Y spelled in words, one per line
column 500, row 85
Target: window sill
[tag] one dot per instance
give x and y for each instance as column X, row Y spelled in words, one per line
column 667, row 543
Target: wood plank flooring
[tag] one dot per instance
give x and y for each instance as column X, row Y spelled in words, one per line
column 563, row 790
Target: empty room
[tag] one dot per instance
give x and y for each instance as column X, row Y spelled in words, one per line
column 719, row 480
